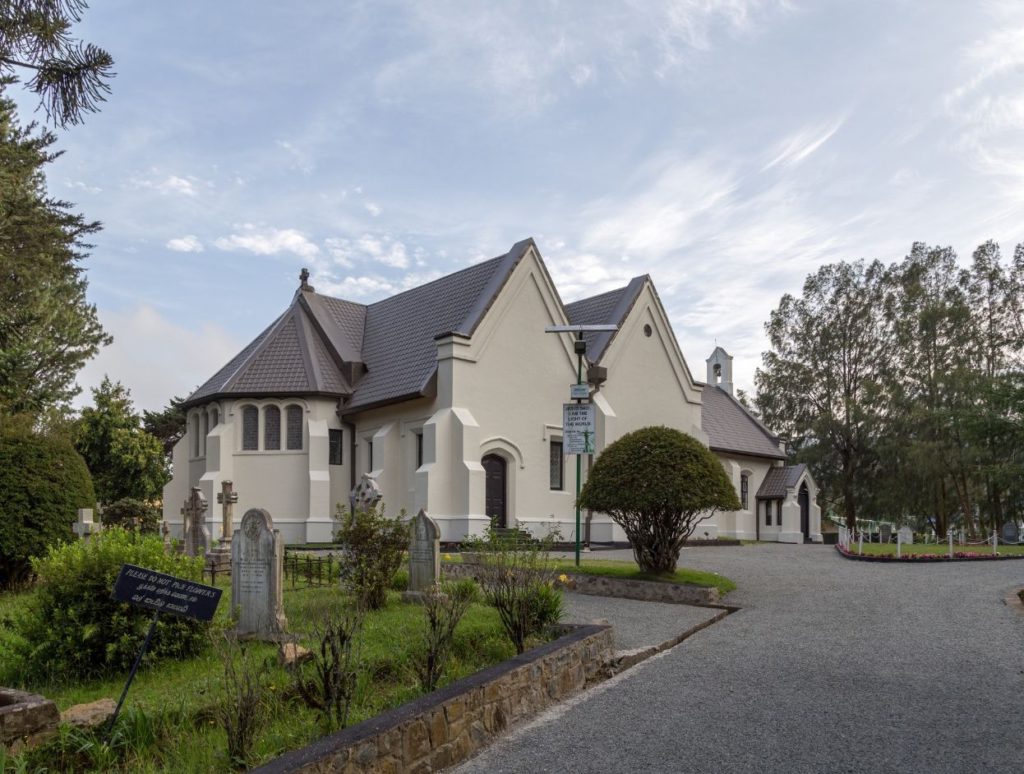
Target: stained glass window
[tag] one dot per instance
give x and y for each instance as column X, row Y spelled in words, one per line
column 272, row 428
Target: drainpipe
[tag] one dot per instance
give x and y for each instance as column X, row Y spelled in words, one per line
column 757, row 520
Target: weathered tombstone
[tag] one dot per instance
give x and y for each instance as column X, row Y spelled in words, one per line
column 885, row 533
column 366, row 494
column 1011, row 533
column 424, row 556
column 906, row 536
column 165, row 531
column 257, row 569
column 197, row 536
column 85, row 526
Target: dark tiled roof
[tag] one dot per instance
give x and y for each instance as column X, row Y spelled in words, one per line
column 609, row 308
column 779, row 480
column 288, row 358
column 731, row 428
column 304, row 351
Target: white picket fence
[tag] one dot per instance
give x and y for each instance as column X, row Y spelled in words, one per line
column 850, row 539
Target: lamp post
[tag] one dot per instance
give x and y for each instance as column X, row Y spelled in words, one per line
column 585, row 444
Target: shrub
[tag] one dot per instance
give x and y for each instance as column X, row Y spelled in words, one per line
column 333, row 661
column 517, row 578
column 132, row 514
column 43, row 481
column 241, row 708
column 444, row 604
column 658, row 484
column 374, row 547
column 73, row 627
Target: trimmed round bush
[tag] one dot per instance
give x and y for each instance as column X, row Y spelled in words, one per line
column 74, row 628
column 132, row 514
column 43, row 482
column 658, row 484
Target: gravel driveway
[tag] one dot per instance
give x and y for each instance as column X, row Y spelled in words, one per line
column 831, row 666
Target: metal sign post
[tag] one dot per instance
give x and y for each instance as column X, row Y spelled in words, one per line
column 160, row 593
column 578, row 425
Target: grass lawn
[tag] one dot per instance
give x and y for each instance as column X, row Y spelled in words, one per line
column 175, row 697
column 629, row 570
column 626, row 569
column 882, row 549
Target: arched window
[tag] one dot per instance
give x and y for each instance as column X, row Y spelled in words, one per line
column 250, row 428
column 744, row 486
column 204, row 423
column 294, row 416
column 271, row 428
column 195, row 435
column 214, row 418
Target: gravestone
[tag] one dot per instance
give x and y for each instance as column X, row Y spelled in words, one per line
column 85, row 526
column 906, row 536
column 165, row 531
column 884, row 533
column 257, row 569
column 197, row 536
column 366, row 494
column 424, row 556
column 1011, row 533
column 227, row 497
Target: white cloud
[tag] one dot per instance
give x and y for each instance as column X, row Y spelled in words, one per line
column 300, row 159
column 373, row 209
column 171, row 184
column 799, row 146
column 269, row 241
column 340, row 251
column 372, row 287
column 155, row 357
column 90, row 189
column 385, row 250
column 187, row 244
column 504, row 54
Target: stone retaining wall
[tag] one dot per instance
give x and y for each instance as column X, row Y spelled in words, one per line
column 452, row 723
column 26, row 720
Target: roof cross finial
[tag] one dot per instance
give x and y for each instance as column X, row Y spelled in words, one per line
column 304, row 279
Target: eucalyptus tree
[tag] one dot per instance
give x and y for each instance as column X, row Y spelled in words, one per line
column 821, row 381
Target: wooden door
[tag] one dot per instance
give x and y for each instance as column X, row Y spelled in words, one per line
column 495, row 489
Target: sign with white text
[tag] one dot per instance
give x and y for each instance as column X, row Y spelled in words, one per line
column 165, row 593
column 579, row 427
column 579, row 391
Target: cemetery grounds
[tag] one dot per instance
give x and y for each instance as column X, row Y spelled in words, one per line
column 168, row 722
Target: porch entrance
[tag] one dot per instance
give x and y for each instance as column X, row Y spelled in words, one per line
column 804, row 499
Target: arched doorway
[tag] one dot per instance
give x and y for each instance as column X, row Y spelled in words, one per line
column 496, row 489
column 804, row 499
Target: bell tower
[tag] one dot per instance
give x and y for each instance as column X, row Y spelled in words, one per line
column 720, row 369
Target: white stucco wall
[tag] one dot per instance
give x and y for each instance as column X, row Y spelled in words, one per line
column 298, row 488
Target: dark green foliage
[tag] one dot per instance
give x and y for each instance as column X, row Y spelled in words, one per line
column 822, row 378
column 166, row 425
column 132, row 514
column 374, row 547
column 900, row 386
column 43, row 482
column 517, row 578
column 658, row 484
column 75, row 630
column 69, row 76
column 443, row 605
column 47, row 328
column 125, row 460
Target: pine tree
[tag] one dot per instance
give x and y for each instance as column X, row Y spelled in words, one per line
column 47, row 328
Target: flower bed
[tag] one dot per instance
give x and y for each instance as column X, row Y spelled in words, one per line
column 962, row 556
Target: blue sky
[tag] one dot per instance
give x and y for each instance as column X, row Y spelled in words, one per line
column 725, row 147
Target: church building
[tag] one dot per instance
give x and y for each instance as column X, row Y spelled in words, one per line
column 449, row 396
